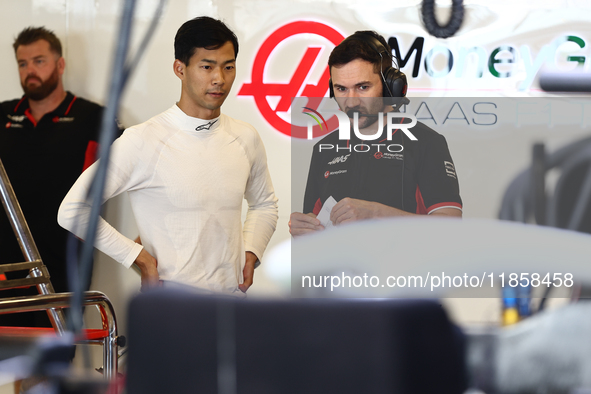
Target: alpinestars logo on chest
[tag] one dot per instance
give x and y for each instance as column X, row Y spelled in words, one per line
column 206, row 126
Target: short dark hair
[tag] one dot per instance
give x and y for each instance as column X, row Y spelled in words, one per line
column 202, row 32
column 351, row 49
column 34, row 34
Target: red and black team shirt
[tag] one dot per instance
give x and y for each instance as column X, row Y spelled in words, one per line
column 43, row 160
column 415, row 176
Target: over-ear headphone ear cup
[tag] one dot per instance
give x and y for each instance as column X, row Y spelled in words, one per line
column 330, row 89
column 395, row 81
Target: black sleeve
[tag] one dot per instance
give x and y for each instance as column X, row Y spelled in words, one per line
column 118, row 126
column 312, row 194
column 92, row 124
column 3, row 117
column 437, row 178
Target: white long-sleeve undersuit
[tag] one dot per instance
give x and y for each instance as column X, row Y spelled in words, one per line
column 186, row 188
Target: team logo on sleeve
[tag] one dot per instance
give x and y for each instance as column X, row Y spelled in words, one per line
column 450, row 169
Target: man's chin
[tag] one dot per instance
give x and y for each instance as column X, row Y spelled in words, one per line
column 42, row 90
column 38, row 93
column 216, row 103
column 364, row 122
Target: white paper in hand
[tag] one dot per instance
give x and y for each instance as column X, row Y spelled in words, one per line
column 324, row 214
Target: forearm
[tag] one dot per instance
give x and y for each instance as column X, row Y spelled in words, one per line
column 74, row 216
column 260, row 224
column 350, row 210
column 382, row 210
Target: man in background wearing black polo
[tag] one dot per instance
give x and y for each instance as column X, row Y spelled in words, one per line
column 47, row 138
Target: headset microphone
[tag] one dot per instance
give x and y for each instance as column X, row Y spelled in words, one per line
column 351, row 113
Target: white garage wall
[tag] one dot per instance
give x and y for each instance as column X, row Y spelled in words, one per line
column 88, row 29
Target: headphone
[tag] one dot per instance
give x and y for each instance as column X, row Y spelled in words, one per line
column 393, row 80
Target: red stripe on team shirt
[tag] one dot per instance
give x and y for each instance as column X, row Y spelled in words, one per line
column 90, row 155
column 30, row 116
column 70, row 106
column 19, row 103
column 317, row 207
column 444, row 204
column 421, row 209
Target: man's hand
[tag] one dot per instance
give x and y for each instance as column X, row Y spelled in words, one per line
column 248, row 271
column 149, row 267
column 350, row 210
column 300, row 223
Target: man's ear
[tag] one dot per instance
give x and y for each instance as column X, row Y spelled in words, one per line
column 179, row 69
column 61, row 65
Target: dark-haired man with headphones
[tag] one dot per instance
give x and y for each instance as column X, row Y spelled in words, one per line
column 414, row 178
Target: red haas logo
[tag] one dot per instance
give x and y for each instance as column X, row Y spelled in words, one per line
column 261, row 90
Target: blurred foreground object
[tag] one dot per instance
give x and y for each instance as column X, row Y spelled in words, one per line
column 181, row 342
column 428, row 247
column 547, row 353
